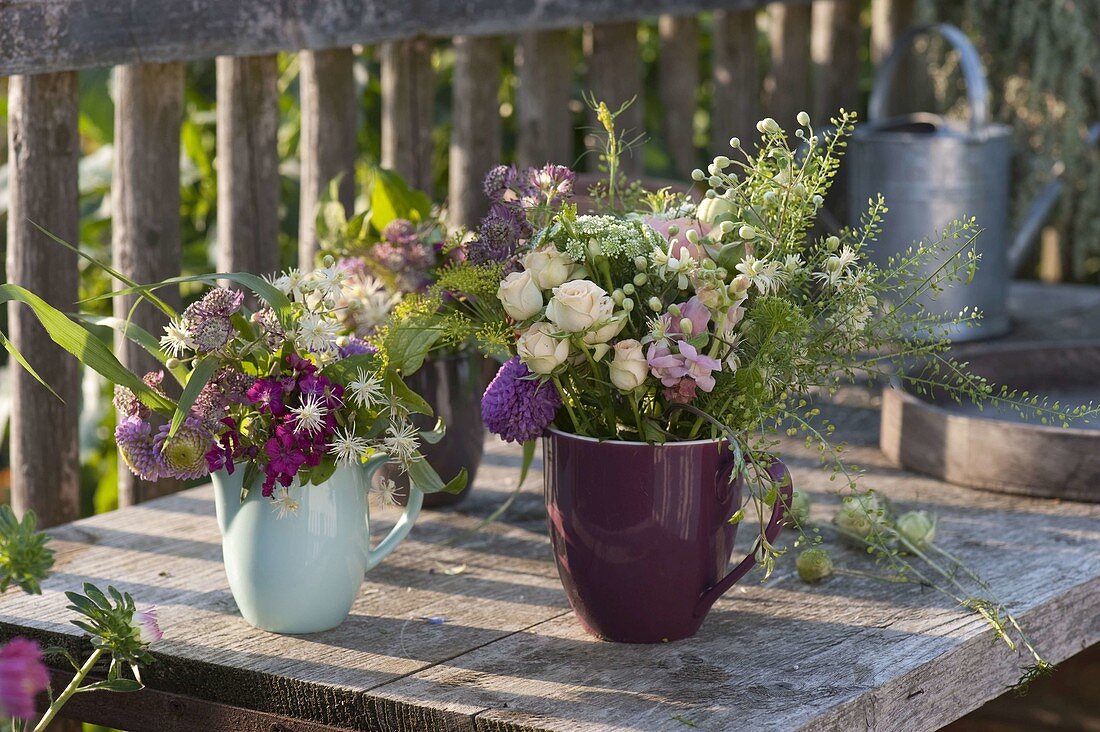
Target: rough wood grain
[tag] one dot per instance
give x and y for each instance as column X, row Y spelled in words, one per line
column 51, row 35
column 145, row 217
column 788, row 84
column 545, row 66
column 615, row 77
column 912, row 90
column 736, row 104
column 327, row 143
column 836, row 43
column 475, row 127
column 407, row 110
column 248, row 165
column 43, row 152
column 678, row 81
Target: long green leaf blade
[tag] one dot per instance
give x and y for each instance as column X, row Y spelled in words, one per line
column 198, row 379
column 138, row 335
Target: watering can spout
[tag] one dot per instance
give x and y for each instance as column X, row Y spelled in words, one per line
column 1041, row 208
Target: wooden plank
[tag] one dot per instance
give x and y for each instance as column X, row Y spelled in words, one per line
column 145, row 216
column 889, row 20
column 788, row 84
column 52, row 35
column 43, row 152
column 835, row 49
column 545, row 68
column 615, row 77
column 408, row 94
column 678, row 82
column 475, row 128
column 736, row 70
column 327, row 143
column 248, row 165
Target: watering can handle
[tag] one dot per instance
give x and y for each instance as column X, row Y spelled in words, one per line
column 372, row 556
column 977, row 91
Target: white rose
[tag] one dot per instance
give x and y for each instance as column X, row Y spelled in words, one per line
column 577, row 305
column 607, row 331
column 548, row 267
column 629, row 368
column 541, row 351
column 520, row 295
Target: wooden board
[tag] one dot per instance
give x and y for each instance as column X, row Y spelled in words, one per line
column 38, row 36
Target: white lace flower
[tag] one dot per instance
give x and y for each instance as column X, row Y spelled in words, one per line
column 283, row 503
column 387, row 492
column 176, row 341
column 347, row 447
column 366, row 389
column 317, row 333
column 310, row 416
column 402, row 442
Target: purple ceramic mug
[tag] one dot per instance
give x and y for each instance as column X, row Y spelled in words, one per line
column 641, row 532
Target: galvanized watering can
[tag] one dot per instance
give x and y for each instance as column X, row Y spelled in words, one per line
column 932, row 171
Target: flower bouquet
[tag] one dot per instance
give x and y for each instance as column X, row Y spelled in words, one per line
column 289, row 416
column 659, row 344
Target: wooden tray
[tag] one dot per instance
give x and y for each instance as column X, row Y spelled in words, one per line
column 993, row 449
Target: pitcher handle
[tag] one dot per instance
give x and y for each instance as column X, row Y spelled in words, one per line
column 372, row 556
column 778, row 472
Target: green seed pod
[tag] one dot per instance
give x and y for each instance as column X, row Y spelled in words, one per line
column 655, row 304
column 746, row 232
column 803, row 119
column 800, row 507
column 698, row 174
column 641, row 263
column 627, row 304
column 640, row 279
column 814, row 565
column 918, row 528
column 859, row 517
column 628, row 289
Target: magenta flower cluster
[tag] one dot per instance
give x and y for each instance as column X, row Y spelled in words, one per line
column 23, row 676
column 679, row 365
column 516, row 406
column 291, row 445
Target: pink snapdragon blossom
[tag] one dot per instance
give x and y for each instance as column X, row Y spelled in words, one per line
column 699, row 366
column 22, row 677
column 664, row 365
column 679, row 241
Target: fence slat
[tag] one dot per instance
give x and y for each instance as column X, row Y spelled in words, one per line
column 545, row 84
column 835, row 46
column 615, row 77
column 248, row 164
column 912, row 90
column 145, row 215
column 407, row 110
column 788, row 83
column 736, row 103
column 475, row 133
column 330, row 120
column 43, row 153
column 678, row 80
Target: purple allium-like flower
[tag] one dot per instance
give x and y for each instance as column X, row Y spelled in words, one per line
column 218, row 303
column 183, row 456
column 134, row 437
column 356, row 347
column 517, row 408
column 23, row 676
column 498, row 181
column 145, row 626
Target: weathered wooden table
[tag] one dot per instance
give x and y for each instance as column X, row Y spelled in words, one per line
column 852, row 653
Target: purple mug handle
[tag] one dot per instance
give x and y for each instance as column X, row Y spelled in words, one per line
column 778, row 472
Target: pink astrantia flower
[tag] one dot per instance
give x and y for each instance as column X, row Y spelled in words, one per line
column 22, row 677
column 144, row 623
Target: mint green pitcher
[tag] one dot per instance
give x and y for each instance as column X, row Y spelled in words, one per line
column 300, row 573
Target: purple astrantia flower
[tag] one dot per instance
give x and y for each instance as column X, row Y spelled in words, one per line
column 400, row 232
column 183, row 456
column 353, row 267
column 145, row 626
column 134, row 437
column 699, row 366
column 498, row 182
column 208, row 332
column 665, row 365
column 554, row 182
column 356, row 347
column 23, row 676
column 498, row 236
column 274, row 335
column 518, row 409
column 218, row 303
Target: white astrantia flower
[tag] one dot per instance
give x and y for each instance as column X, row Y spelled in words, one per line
column 366, row 389
column 310, row 416
column 317, row 333
column 283, row 503
column 402, row 442
column 176, row 340
column 387, row 492
column 347, row 447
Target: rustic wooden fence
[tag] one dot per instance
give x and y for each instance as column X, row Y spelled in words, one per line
column 815, row 60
